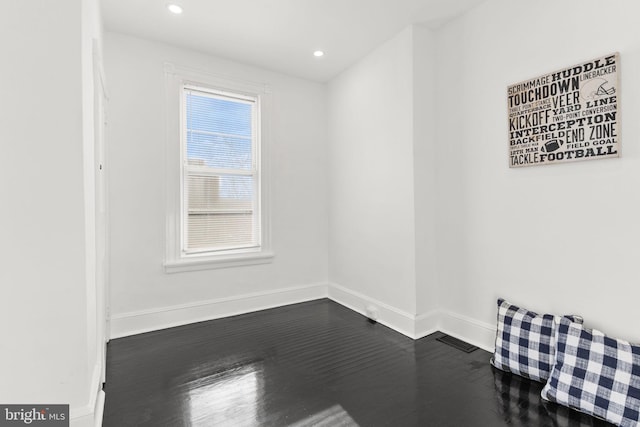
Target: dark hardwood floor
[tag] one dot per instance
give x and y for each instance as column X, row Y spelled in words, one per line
column 313, row 364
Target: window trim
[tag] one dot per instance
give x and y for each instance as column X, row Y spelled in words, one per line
column 177, row 78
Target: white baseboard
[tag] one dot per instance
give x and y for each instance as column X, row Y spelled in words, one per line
column 413, row 326
column 86, row 416
column 474, row 332
column 82, row 421
column 99, row 412
column 426, row 324
column 465, row 328
column 138, row 322
column 389, row 316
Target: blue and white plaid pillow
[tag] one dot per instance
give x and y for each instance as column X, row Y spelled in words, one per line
column 595, row 374
column 525, row 342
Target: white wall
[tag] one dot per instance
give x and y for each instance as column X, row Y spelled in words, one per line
column 561, row 238
column 141, row 291
column 424, row 167
column 371, row 212
column 382, row 212
column 47, row 350
column 417, row 140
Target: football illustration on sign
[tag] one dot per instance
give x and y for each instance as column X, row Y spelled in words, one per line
column 551, row 146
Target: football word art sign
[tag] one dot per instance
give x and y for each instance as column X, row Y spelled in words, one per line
column 564, row 116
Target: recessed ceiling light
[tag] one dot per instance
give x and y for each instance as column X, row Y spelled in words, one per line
column 318, row 53
column 174, row 8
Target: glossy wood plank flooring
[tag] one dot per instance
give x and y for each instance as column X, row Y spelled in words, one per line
column 312, row 364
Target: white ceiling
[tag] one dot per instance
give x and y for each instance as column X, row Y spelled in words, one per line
column 280, row 35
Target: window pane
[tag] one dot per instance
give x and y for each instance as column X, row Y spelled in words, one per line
column 220, row 192
column 215, row 231
column 217, row 151
column 217, row 115
column 221, row 213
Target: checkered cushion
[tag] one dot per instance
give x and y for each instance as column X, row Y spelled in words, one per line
column 595, row 374
column 524, row 342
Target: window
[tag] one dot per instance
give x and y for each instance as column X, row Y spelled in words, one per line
column 221, row 174
column 217, row 209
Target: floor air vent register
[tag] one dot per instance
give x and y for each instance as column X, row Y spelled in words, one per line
column 456, row 343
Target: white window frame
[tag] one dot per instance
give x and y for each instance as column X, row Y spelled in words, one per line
column 176, row 260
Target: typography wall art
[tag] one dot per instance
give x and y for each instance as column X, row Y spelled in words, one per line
column 568, row 115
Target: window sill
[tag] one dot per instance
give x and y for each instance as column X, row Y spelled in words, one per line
column 212, row 263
